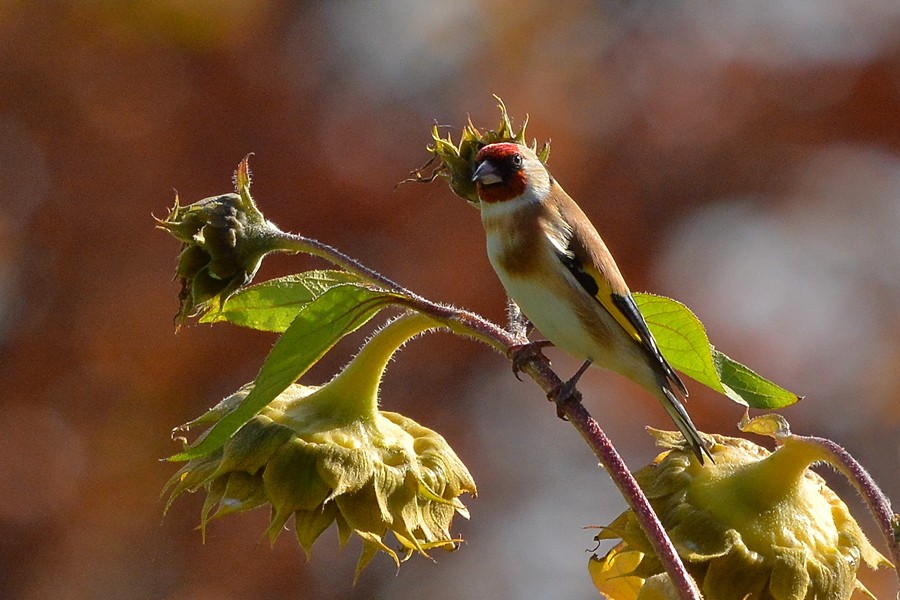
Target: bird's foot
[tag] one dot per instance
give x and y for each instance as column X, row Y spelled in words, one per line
column 523, row 353
column 567, row 391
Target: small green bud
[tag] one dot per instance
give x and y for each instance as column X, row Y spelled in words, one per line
column 224, row 239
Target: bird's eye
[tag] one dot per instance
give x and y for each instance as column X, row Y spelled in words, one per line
column 517, row 160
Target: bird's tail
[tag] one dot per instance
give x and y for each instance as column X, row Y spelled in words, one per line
column 679, row 415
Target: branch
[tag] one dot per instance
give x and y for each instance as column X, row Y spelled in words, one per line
column 538, row 368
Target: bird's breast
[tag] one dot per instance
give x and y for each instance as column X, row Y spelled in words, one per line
column 556, row 316
column 536, row 280
column 561, row 310
column 515, row 240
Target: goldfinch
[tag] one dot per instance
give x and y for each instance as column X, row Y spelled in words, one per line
column 557, row 269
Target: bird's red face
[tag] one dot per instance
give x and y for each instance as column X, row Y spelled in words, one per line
column 500, row 173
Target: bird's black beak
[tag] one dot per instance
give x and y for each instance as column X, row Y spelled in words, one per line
column 486, row 174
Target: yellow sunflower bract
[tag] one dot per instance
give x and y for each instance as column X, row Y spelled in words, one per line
column 754, row 525
column 326, row 454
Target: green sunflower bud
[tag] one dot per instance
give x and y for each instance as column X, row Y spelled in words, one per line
column 224, row 239
column 456, row 163
column 752, row 524
column 326, row 454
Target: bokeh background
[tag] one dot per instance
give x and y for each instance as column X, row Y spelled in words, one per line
column 741, row 157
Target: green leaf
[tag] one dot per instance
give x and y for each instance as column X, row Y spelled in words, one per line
column 683, row 341
column 753, row 389
column 317, row 327
column 272, row 305
column 681, row 337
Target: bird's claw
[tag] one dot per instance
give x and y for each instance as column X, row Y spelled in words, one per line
column 567, row 391
column 523, row 353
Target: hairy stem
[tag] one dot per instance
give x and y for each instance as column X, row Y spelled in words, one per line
column 590, row 430
column 358, row 383
column 291, row 242
column 876, row 501
column 457, row 320
column 538, row 368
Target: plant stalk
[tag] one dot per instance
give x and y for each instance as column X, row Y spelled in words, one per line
column 876, row 501
column 538, row 368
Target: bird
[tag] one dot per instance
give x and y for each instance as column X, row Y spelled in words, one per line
column 563, row 278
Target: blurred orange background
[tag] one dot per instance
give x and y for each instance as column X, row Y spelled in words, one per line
column 741, row 157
